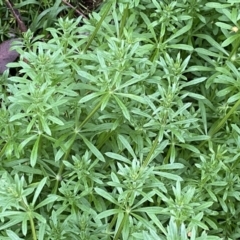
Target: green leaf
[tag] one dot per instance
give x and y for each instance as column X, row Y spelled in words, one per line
column 126, row 144
column 206, row 52
column 155, row 219
column 123, row 108
column 34, row 152
column 26, row 141
column 151, row 210
column 194, row 82
column 105, row 101
column 90, row 96
column 203, row 206
column 199, row 223
column 27, row 169
column 234, row 98
column 170, row 166
column 217, row 5
column 182, row 47
column 212, row 195
column 38, row 190
column 199, row 69
column 213, row 43
column 18, row 116
column 233, row 68
column 86, row 75
column 39, row 217
column 105, row 10
column 106, row 195
column 16, row 217
column 198, row 138
column 55, row 120
column 146, row 223
column 45, row 126
column 93, row 149
column 180, row 32
column 108, row 213
column 196, row 96
column 12, row 235
column 42, row 231
column 50, row 199
column 86, row 87
column 118, row 157
column 230, row 40
column 147, row 197
column 131, row 96
column 224, row 25
column 169, row 176
column 24, row 226
column 134, row 80
column 148, row 24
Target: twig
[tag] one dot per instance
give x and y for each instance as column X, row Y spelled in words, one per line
column 17, row 16
column 74, row 8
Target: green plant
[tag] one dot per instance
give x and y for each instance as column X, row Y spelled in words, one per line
column 124, row 125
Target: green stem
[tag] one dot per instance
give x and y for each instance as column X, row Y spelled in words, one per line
column 34, row 236
column 234, row 50
column 224, row 120
column 66, row 155
column 112, row 223
column 123, row 20
column 151, row 152
column 91, row 113
column 29, row 212
column 92, row 36
column 61, row 168
column 116, row 237
column 4, row 149
column 214, row 130
column 104, row 139
column 166, row 159
column 155, row 55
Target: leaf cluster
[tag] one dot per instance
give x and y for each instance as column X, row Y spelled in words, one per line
column 124, row 125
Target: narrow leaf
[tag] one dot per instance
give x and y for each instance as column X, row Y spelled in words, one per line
column 55, row 120
column 106, row 195
column 39, row 189
column 180, row 32
column 93, row 149
column 34, row 153
column 90, row 96
column 108, row 213
column 123, row 108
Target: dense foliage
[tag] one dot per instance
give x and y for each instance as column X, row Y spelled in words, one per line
column 124, row 125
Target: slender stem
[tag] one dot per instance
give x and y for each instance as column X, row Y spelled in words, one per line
column 158, row 43
column 221, row 123
column 91, row 114
column 61, row 168
column 34, row 235
column 224, row 120
column 66, row 155
column 235, row 48
column 151, row 152
column 92, row 36
column 29, row 212
column 112, row 223
column 166, row 159
column 104, row 139
column 123, row 20
column 3, row 150
column 116, row 237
